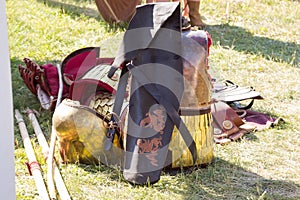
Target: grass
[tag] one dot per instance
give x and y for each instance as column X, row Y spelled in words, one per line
column 256, row 42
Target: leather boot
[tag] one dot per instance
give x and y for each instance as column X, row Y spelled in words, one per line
column 194, row 13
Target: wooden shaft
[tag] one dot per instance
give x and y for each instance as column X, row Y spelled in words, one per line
column 61, row 187
column 50, row 162
column 50, row 180
column 35, row 169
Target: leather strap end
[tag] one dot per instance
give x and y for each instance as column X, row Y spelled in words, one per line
column 112, row 71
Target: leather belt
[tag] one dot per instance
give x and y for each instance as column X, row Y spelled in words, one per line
column 186, row 111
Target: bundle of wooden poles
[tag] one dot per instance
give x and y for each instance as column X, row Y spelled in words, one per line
column 33, row 165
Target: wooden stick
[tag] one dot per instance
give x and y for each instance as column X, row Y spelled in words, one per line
column 34, row 166
column 60, row 185
column 50, row 179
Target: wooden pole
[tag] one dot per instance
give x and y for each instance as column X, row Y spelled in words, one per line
column 50, row 179
column 60, row 185
column 33, row 165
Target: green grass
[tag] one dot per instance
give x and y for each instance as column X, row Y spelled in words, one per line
column 256, row 42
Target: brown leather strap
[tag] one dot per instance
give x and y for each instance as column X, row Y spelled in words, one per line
column 185, row 111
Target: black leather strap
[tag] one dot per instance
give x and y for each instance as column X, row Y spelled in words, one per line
column 112, row 71
column 120, row 95
column 237, row 105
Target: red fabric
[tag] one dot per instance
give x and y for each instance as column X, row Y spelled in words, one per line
column 260, row 120
column 209, row 42
column 51, row 77
column 79, row 64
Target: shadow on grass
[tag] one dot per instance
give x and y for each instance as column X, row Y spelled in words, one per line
column 74, row 10
column 239, row 39
column 223, row 180
column 219, row 180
